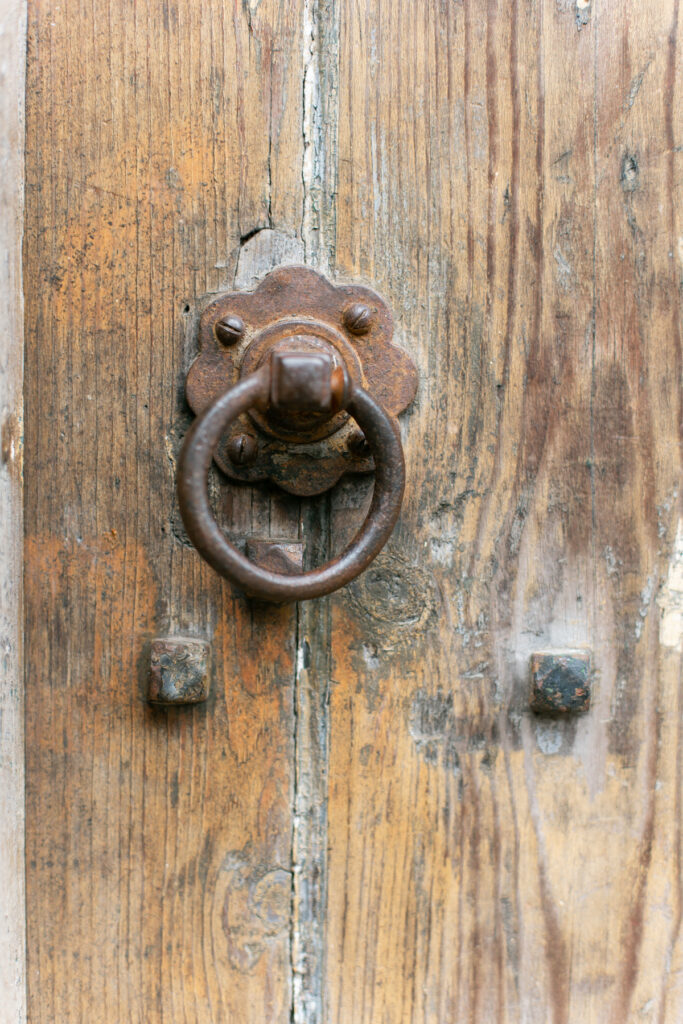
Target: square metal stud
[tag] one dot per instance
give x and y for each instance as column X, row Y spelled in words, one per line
column 301, row 382
column 179, row 671
column 286, row 557
column 560, row 683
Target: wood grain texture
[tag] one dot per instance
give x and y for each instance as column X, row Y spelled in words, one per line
column 159, row 842
column 509, row 175
column 365, row 825
column 12, row 902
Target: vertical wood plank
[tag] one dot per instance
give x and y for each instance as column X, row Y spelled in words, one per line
column 638, row 412
column 484, row 863
column 159, row 842
column 12, row 884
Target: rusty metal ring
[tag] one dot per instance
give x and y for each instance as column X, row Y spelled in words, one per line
column 194, row 463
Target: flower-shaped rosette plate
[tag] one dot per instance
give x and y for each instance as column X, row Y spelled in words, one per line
column 299, row 301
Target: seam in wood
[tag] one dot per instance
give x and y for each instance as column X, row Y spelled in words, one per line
column 313, row 639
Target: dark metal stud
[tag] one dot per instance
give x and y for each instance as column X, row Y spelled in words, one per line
column 301, row 382
column 179, row 671
column 286, row 557
column 560, row 683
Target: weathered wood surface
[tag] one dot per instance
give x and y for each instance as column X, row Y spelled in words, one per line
column 12, row 917
column 509, row 176
column 158, row 842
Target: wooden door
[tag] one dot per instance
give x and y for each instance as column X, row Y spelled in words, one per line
column 366, row 823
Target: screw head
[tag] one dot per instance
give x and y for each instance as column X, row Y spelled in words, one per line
column 358, row 318
column 358, row 444
column 230, row 329
column 242, row 449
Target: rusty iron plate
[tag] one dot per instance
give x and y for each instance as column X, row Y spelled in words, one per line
column 297, row 309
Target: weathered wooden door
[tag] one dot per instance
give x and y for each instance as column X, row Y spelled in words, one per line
column 366, row 823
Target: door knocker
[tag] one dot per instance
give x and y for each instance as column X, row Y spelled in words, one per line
column 281, row 375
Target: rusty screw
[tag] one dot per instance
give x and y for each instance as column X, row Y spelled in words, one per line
column 230, row 329
column 358, row 318
column 560, row 683
column 358, row 444
column 242, row 449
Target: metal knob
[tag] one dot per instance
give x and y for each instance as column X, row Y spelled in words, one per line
column 292, row 383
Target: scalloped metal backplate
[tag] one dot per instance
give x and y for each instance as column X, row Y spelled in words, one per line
column 298, row 300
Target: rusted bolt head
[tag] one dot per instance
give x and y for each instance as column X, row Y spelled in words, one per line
column 560, row 683
column 178, row 671
column 358, row 444
column 242, row 449
column 230, row 329
column 358, row 318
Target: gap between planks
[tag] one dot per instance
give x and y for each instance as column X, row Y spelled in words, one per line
column 313, row 647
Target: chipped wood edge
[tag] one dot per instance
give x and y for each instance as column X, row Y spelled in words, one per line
column 12, row 880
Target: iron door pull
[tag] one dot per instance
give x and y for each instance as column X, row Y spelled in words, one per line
column 294, row 380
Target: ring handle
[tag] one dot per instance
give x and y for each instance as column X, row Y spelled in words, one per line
column 382, row 435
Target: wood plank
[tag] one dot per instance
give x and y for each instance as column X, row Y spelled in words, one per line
column 159, row 842
column 485, row 864
column 637, row 421
column 12, row 883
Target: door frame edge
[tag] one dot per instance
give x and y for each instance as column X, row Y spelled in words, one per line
column 13, row 34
